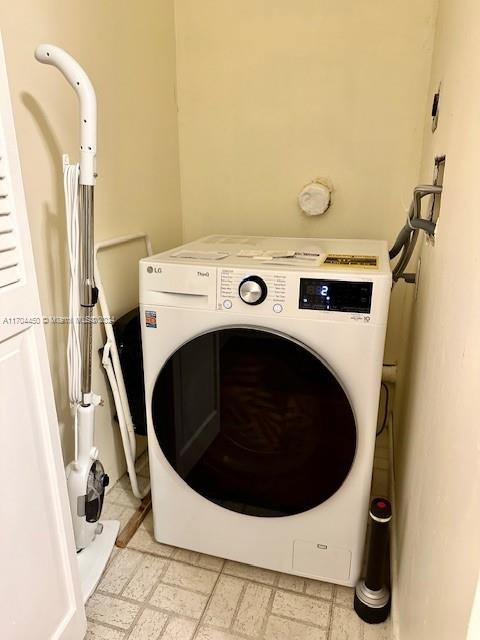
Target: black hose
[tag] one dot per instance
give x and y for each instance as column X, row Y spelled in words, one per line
column 401, row 240
column 403, row 236
column 407, row 239
column 404, row 259
column 386, row 412
column 397, row 271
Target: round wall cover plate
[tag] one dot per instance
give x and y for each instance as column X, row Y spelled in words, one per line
column 314, row 199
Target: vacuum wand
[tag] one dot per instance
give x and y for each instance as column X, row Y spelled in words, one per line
column 80, row 82
column 88, row 290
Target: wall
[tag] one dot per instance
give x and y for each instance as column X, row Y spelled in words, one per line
column 274, row 93
column 128, row 50
column 437, row 450
column 474, row 622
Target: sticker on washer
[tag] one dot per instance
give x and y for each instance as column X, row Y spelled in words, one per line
column 351, row 262
column 151, row 319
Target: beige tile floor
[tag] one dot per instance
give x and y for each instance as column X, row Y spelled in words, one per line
column 151, row 591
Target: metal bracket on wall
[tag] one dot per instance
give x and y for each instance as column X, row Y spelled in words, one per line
column 422, row 190
column 404, row 245
column 410, row 278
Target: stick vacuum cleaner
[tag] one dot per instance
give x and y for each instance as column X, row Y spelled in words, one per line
column 86, row 479
column 372, row 598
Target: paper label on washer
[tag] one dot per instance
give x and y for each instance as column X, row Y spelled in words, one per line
column 347, row 261
column 151, row 319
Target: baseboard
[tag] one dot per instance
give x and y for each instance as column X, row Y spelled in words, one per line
column 393, row 539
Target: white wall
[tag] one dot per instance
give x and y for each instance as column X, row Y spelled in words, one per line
column 128, row 50
column 438, row 425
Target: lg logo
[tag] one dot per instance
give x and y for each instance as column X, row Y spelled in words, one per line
column 202, row 274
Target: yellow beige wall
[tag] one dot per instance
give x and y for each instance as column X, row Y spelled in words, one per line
column 128, row 49
column 437, row 439
column 274, row 93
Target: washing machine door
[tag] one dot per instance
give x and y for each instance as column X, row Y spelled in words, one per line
column 254, row 422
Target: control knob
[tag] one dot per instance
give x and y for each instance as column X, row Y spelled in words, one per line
column 252, row 290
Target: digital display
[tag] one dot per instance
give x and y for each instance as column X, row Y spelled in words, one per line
column 335, row 295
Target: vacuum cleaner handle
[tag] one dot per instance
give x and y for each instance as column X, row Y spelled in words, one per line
column 79, row 80
column 372, row 598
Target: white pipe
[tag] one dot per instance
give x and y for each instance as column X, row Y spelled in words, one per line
column 129, row 454
column 111, row 363
column 394, row 542
column 117, row 367
column 78, row 79
column 115, row 242
column 102, row 301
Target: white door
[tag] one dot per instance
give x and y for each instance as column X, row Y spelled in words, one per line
column 40, row 595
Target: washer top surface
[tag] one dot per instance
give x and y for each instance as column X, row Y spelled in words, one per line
column 334, row 255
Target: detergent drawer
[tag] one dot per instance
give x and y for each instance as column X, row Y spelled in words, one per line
column 178, row 285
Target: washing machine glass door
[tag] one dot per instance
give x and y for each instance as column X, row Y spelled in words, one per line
column 254, row 422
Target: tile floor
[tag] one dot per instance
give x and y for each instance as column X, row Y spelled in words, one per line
column 151, row 591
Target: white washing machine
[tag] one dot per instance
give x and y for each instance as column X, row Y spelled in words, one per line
column 262, row 381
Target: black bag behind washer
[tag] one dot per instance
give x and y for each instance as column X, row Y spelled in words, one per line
column 129, row 344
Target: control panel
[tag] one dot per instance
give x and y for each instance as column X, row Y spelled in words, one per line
column 266, row 292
